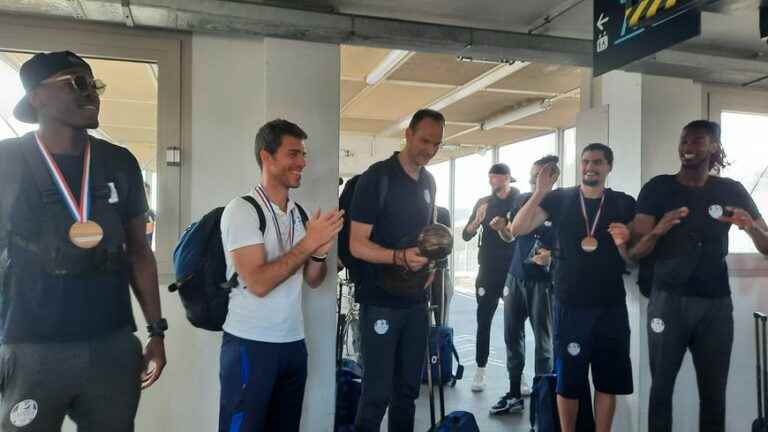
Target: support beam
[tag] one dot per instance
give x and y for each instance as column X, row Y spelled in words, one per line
column 78, row 10
column 218, row 16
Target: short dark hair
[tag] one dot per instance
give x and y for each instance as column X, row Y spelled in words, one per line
column 547, row 159
column 270, row 136
column 718, row 161
column 607, row 152
column 425, row 114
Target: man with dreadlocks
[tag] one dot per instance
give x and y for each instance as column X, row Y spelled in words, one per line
column 684, row 220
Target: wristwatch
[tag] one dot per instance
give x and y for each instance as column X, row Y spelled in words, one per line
column 157, row 328
column 320, row 258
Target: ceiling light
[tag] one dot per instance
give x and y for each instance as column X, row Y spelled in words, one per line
column 515, row 114
column 386, row 66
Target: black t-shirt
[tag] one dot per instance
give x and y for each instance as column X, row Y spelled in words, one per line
column 493, row 251
column 583, row 278
column 42, row 307
column 406, row 211
column 690, row 258
column 520, row 267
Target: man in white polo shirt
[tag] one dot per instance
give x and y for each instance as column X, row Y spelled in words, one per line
column 263, row 354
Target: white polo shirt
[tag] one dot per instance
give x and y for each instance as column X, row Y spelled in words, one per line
column 276, row 317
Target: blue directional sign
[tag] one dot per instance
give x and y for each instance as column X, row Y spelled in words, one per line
column 628, row 30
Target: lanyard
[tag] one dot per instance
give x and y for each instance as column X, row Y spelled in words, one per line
column 80, row 211
column 267, row 203
column 591, row 231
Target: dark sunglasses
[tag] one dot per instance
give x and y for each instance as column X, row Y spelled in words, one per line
column 80, row 83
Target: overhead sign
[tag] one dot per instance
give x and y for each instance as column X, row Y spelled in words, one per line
column 628, row 30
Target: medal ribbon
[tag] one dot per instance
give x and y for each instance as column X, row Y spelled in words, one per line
column 591, row 232
column 80, row 211
column 268, row 204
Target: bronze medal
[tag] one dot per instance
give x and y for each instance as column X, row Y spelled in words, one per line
column 86, row 235
column 589, row 244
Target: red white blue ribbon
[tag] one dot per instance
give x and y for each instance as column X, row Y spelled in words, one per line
column 80, row 211
column 268, row 204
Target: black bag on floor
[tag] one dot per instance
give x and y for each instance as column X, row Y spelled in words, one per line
column 543, row 414
column 349, row 385
column 457, row 421
column 441, row 339
column 761, row 422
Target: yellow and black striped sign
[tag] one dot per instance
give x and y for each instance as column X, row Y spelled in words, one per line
column 648, row 9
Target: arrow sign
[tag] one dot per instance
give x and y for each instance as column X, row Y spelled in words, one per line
column 602, row 20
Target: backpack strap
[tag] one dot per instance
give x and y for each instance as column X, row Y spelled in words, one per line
column 262, row 219
column 232, row 282
column 303, row 214
column 459, row 368
column 37, row 167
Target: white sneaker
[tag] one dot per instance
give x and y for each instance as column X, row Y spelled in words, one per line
column 525, row 389
column 478, row 383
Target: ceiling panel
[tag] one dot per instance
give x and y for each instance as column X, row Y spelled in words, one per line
column 440, row 69
column 350, row 89
column 129, row 134
column 367, row 126
column 133, row 114
column 451, row 130
column 496, row 136
column 481, row 105
column 561, row 115
column 391, row 101
column 126, row 80
column 543, row 78
column 358, row 61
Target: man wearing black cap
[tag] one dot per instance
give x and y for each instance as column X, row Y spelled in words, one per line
column 489, row 215
column 72, row 239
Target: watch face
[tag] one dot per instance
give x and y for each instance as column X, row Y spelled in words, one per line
column 160, row 325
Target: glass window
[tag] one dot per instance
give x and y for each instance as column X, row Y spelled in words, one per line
column 749, row 165
column 521, row 155
column 442, row 173
column 568, row 162
column 470, row 184
column 11, row 91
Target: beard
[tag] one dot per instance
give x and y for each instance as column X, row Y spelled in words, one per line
column 693, row 164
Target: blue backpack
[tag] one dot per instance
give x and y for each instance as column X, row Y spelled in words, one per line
column 441, row 339
column 201, row 269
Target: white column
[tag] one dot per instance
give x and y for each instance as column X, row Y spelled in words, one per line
column 302, row 85
column 236, row 85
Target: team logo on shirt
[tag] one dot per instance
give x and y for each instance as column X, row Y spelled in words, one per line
column 574, row 349
column 427, row 197
column 381, row 327
column 24, row 413
column 657, row 325
column 506, row 291
column 716, row 211
column 481, row 291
